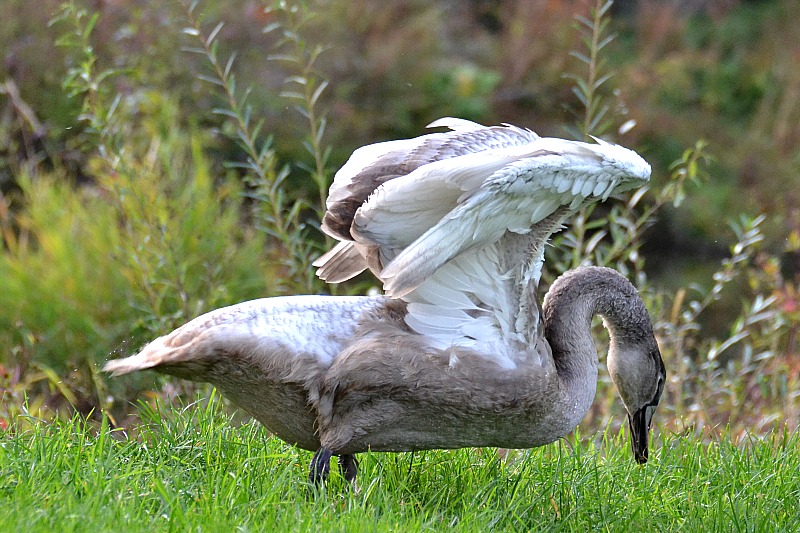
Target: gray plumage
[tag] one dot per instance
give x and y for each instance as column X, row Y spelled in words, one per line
column 386, row 389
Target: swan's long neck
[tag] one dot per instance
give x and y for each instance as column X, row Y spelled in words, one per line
column 572, row 301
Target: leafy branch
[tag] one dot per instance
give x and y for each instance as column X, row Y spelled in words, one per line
column 261, row 158
column 684, row 318
column 86, row 80
column 278, row 215
column 153, row 251
column 305, row 87
column 588, row 86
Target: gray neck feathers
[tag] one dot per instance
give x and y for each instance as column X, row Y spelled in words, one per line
column 572, row 301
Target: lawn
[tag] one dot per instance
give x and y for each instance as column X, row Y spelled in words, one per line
column 193, row 469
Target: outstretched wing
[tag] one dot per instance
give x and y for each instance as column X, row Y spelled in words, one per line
column 552, row 176
column 455, row 224
column 371, row 166
column 405, row 208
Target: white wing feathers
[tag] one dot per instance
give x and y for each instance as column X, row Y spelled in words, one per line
column 401, row 210
column 515, row 197
column 456, row 124
column 426, row 201
column 427, row 214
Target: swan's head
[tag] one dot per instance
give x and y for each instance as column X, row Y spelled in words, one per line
column 638, row 372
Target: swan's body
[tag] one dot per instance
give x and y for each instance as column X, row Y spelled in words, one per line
column 459, row 353
column 373, row 384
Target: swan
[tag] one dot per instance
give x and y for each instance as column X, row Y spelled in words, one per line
column 343, row 375
column 458, row 352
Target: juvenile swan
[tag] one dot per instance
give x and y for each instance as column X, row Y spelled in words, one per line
column 458, row 353
column 341, row 375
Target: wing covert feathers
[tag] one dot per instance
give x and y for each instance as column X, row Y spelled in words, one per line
column 431, row 217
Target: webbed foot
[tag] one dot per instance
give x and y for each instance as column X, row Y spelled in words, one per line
column 348, row 464
column 320, row 467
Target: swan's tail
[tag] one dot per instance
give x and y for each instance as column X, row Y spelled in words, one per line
column 191, row 350
column 189, row 360
column 151, row 356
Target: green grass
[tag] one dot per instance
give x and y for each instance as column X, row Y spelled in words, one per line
column 194, row 470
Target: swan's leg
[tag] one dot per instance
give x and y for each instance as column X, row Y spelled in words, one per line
column 320, row 466
column 348, row 464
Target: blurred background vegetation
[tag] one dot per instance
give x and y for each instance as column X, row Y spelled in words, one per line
column 155, row 164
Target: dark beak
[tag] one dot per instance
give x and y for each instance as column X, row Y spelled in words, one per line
column 640, row 428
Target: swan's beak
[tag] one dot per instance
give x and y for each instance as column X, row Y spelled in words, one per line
column 640, row 429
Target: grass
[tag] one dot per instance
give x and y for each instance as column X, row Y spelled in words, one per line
column 191, row 469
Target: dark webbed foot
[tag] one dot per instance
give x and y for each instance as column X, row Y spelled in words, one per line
column 348, row 464
column 320, row 467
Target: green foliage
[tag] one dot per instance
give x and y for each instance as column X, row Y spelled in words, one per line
column 730, row 88
column 60, row 282
column 589, row 89
column 461, row 91
column 192, row 469
column 138, row 254
column 704, row 390
column 305, row 87
column 732, row 84
column 279, row 214
column 154, row 241
column 727, row 78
